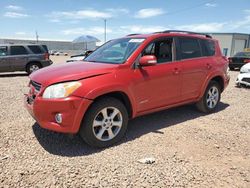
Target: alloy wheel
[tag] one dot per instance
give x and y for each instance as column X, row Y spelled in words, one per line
column 107, row 123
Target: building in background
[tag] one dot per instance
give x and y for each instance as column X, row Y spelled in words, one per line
column 62, row 46
column 231, row 43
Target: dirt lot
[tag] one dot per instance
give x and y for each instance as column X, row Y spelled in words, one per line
column 190, row 149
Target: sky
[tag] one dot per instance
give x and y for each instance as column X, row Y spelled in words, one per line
column 68, row 19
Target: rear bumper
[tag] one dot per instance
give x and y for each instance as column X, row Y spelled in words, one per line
column 46, row 63
column 44, row 111
column 236, row 65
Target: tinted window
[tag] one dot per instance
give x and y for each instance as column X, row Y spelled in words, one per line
column 35, row 49
column 45, row 48
column 17, row 50
column 189, row 48
column 3, row 50
column 162, row 50
column 242, row 54
column 208, row 47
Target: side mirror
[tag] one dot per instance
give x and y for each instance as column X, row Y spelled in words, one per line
column 147, row 60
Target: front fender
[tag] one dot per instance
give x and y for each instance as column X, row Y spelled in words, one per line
column 95, row 87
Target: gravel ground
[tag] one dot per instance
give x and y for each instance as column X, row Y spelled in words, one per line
column 190, row 149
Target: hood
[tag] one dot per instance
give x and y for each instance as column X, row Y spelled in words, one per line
column 245, row 68
column 70, row 71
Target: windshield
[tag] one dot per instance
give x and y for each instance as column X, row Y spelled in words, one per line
column 242, row 54
column 115, row 51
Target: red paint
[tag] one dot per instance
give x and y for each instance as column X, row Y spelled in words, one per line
column 148, row 88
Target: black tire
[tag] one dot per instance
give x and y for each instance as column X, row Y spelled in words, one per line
column 89, row 134
column 203, row 105
column 30, row 67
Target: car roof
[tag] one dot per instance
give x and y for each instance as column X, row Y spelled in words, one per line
column 9, row 44
column 171, row 33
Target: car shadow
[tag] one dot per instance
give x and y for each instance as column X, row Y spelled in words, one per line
column 13, row 75
column 71, row 146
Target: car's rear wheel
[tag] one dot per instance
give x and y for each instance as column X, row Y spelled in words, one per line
column 105, row 123
column 210, row 99
column 32, row 67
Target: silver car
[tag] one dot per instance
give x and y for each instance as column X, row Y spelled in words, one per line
column 19, row 57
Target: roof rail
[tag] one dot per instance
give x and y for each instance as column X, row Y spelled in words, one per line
column 188, row 32
column 133, row 34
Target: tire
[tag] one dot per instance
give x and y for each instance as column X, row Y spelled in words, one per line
column 99, row 128
column 32, row 67
column 210, row 99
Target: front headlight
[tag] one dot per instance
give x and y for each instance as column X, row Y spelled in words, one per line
column 60, row 90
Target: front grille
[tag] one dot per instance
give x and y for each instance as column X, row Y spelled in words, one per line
column 36, row 85
column 246, row 80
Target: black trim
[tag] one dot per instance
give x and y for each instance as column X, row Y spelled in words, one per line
column 186, row 32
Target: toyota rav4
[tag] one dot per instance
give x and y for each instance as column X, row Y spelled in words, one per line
column 125, row 78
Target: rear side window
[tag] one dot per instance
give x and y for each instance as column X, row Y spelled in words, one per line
column 208, row 47
column 45, row 48
column 35, row 49
column 3, row 51
column 189, row 48
column 18, row 50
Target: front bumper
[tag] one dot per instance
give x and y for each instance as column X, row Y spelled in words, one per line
column 44, row 111
column 243, row 79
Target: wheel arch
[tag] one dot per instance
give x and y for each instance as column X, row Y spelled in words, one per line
column 122, row 96
column 216, row 77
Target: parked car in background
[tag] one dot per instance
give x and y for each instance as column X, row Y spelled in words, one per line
column 238, row 60
column 79, row 57
column 20, row 57
column 61, row 53
column 52, row 52
column 243, row 78
column 126, row 78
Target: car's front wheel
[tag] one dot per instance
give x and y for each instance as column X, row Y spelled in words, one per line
column 105, row 122
column 211, row 98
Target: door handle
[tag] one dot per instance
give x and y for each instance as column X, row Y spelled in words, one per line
column 176, row 70
column 209, row 66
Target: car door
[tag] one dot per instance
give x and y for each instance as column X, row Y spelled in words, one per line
column 194, row 67
column 18, row 58
column 157, row 85
column 4, row 59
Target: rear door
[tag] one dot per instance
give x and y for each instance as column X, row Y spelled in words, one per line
column 4, row 59
column 195, row 67
column 18, row 58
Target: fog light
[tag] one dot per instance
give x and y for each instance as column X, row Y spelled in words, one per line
column 58, row 118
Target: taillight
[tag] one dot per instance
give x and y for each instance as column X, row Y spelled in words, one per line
column 246, row 60
column 46, row 56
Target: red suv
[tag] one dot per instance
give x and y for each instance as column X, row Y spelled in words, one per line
column 126, row 78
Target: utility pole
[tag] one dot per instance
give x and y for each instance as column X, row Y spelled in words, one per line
column 105, row 30
column 37, row 37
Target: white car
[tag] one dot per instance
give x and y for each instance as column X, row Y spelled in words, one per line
column 61, row 53
column 244, row 76
column 76, row 58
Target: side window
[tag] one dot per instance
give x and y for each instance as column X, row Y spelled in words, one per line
column 189, row 48
column 18, row 50
column 162, row 49
column 208, row 47
column 3, row 51
column 35, row 49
